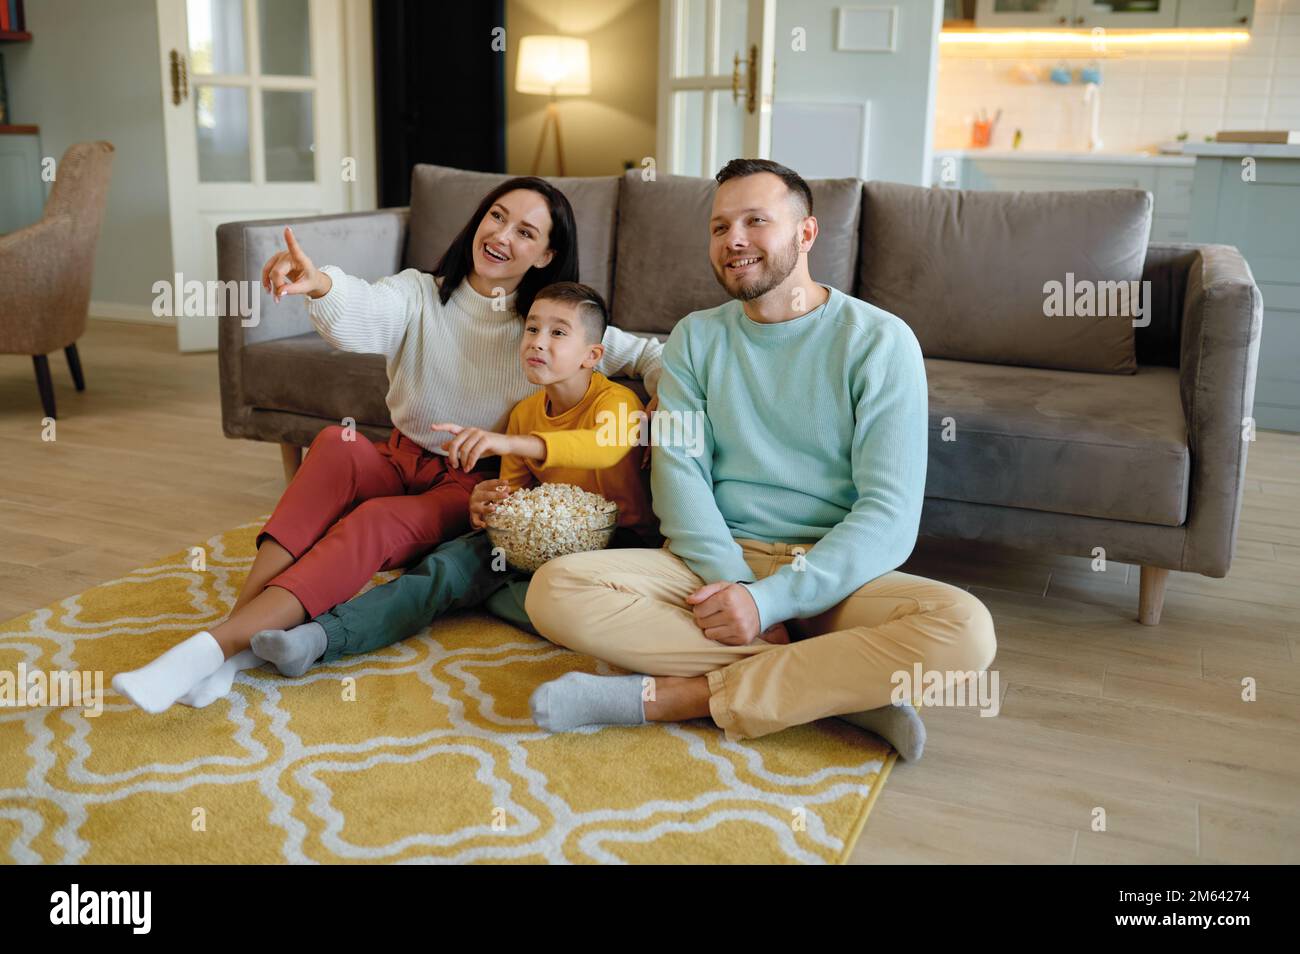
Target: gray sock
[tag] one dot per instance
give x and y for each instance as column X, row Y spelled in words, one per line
column 900, row 726
column 577, row 698
column 292, row 650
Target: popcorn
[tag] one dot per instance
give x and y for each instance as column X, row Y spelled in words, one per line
column 547, row 521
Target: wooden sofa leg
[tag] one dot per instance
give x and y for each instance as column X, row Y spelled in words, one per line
column 291, row 458
column 1151, row 595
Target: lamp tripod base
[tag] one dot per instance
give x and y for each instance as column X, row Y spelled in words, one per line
column 552, row 118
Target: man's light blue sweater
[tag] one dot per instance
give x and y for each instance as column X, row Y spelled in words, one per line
column 815, row 432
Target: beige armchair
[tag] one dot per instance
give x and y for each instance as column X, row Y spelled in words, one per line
column 47, row 267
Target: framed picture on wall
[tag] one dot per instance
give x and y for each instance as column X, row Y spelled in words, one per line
column 867, row 29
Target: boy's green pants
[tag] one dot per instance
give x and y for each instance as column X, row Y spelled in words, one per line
column 457, row 575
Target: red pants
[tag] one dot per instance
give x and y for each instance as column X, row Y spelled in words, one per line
column 356, row 507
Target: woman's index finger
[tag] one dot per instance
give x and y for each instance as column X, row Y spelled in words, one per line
column 292, row 244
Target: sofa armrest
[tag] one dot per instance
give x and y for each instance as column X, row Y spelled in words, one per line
column 1219, row 353
column 367, row 244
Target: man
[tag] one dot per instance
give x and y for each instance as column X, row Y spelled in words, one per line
column 806, row 498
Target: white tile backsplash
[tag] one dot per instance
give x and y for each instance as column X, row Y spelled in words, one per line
column 1149, row 95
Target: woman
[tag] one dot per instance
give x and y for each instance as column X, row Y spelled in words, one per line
column 451, row 340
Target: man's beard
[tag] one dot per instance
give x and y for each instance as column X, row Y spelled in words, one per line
column 774, row 272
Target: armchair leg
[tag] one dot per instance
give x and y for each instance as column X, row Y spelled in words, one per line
column 1151, row 594
column 74, row 365
column 44, row 383
column 291, row 458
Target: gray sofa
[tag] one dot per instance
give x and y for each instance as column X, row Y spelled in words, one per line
column 1054, row 435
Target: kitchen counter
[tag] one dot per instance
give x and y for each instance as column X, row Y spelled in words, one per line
column 1044, row 155
column 1259, row 150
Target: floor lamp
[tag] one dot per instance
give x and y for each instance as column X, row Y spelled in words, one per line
column 553, row 66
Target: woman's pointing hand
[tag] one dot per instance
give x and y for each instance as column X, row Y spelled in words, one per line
column 291, row 272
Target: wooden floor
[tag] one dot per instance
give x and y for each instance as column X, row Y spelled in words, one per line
column 1098, row 712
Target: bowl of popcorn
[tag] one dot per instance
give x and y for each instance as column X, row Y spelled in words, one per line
column 550, row 520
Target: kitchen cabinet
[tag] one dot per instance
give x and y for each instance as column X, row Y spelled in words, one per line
column 1114, row 14
column 1023, row 13
column 1126, row 14
column 1237, row 14
column 1248, row 195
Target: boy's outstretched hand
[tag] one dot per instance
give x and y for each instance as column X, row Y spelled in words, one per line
column 470, row 443
column 483, row 498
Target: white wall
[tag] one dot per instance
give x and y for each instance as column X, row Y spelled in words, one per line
column 900, row 85
column 91, row 72
column 616, row 122
column 1149, row 94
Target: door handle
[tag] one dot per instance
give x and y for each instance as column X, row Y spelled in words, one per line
column 751, row 79
column 751, row 92
column 180, row 79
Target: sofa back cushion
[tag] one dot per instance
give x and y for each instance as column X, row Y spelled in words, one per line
column 969, row 272
column 662, row 272
column 443, row 199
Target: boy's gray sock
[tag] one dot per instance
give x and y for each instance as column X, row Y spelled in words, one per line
column 577, row 699
column 900, row 726
column 292, row 650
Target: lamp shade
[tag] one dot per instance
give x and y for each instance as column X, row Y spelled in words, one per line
column 554, row 66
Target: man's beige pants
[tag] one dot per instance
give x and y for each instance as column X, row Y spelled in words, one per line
column 628, row 607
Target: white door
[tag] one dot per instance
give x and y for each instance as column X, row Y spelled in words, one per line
column 715, row 83
column 254, row 121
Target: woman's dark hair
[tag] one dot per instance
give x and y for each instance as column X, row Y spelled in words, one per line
column 457, row 262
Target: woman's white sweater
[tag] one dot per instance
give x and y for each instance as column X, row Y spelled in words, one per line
column 457, row 362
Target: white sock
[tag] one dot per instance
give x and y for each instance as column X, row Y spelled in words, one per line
column 220, row 682
column 156, row 686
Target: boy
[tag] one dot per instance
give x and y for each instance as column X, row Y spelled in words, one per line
column 552, row 436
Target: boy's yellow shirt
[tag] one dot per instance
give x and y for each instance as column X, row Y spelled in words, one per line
column 579, row 450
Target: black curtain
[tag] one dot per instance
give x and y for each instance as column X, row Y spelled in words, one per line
column 439, row 89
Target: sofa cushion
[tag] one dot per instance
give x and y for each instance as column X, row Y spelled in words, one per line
column 1060, row 441
column 305, row 374
column 662, row 272
column 967, row 270
column 443, row 199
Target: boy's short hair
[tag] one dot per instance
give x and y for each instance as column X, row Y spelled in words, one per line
column 591, row 307
column 739, row 168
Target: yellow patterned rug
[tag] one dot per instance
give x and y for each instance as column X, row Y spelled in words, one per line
column 422, row 753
